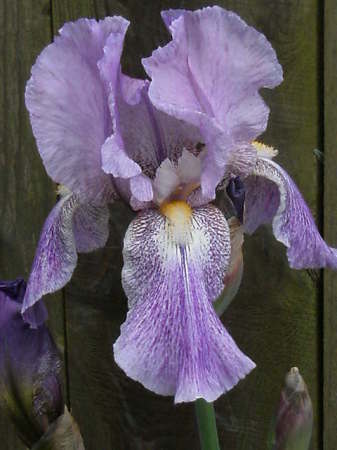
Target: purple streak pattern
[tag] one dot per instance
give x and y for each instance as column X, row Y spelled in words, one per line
column 70, row 227
column 293, row 224
column 172, row 341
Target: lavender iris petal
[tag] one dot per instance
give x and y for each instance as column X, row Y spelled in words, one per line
column 172, row 340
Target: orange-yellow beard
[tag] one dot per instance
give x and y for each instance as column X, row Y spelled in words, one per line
column 179, row 214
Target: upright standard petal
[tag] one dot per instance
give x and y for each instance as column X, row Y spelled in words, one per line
column 271, row 195
column 70, row 227
column 210, row 75
column 172, row 341
column 143, row 136
column 68, row 105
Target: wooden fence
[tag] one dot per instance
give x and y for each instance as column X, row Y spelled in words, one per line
column 280, row 318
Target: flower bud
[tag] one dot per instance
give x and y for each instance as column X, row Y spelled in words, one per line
column 294, row 419
column 30, row 387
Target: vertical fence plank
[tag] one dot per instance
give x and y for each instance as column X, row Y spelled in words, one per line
column 26, row 193
column 275, row 319
column 330, row 223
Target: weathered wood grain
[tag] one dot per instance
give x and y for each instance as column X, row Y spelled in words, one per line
column 330, row 224
column 276, row 317
column 26, row 193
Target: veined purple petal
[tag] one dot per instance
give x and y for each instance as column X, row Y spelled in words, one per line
column 272, row 195
column 55, row 257
column 172, row 341
column 68, row 105
column 70, row 227
column 210, row 75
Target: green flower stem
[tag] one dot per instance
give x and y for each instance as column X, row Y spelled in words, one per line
column 205, row 411
column 207, row 425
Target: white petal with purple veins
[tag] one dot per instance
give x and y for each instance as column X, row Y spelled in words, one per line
column 172, row 340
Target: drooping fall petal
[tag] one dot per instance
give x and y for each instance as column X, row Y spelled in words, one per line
column 271, row 195
column 71, row 226
column 172, row 340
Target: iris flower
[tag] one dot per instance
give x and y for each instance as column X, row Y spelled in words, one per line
column 165, row 146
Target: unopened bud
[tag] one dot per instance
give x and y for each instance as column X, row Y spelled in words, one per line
column 293, row 428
